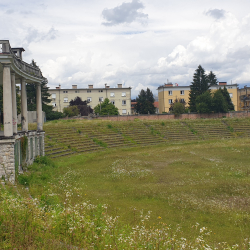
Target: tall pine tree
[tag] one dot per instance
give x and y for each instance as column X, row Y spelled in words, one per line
column 31, row 96
column 212, row 79
column 145, row 102
column 197, row 87
column 228, row 99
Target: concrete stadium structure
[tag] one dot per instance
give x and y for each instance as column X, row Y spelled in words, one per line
column 13, row 70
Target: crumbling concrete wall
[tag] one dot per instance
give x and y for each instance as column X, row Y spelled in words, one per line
column 10, row 153
column 7, row 160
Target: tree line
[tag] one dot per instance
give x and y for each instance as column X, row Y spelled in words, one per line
column 202, row 100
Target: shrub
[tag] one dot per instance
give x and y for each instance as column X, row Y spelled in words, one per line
column 178, row 108
column 24, row 179
column 44, row 160
column 54, row 115
column 71, row 111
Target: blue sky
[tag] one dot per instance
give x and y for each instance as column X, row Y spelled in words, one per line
column 137, row 43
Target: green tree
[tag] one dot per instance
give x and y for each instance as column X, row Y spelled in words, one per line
column 197, row 87
column 219, row 102
column 178, row 107
column 46, row 107
column 228, row 99
column 82, row 106
column 106, row 108
column 212, row 79
column 18, row 100
column 71, row 111
column 204, row 103
column 145, row 102
column 31, row 96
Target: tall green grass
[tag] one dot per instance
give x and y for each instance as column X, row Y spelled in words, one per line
column 185, row 196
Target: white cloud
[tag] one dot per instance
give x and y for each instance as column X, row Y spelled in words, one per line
column 125, row 13
column 217, row 14
column 70, row 44
column 35, row 35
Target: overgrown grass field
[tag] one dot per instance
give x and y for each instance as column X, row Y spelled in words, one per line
column 178, row 196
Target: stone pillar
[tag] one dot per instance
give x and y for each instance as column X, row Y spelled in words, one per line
column 14, row 107
column 7, row 101
column 39, row 112
column 24, row 113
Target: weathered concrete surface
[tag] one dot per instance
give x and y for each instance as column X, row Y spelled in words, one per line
column 24, row 106
column 7, row 100
column 10, row 159
column 7, row 160
column 14, row 107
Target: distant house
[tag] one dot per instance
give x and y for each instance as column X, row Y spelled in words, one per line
column 244, row 99
column 120, row 97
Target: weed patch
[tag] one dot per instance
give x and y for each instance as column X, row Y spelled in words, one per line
column 99, row 142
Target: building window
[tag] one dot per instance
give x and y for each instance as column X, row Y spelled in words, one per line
column 88, row 91
column 77, row 91
column 54, row 96
column 113, row 102
column 100, row 90
column 53, row 104
column 123, row 102
column 100, row 99
column 112, row 94
column 123, row 93
column 170, row 92
column 65, row 91
column 231, row 95
column 124, row 111
column 89, row 99
column 170, row 101
column 182, row 92
column 182, row 100
column 65, row 99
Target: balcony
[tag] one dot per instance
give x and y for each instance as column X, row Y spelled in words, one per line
column 14, row 56
column 245, row 98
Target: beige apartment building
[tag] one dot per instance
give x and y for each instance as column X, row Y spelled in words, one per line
column 120, row 97
column 168, row 93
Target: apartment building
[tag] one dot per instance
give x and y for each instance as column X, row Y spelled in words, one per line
column 120, row 97
column 244, row 99
column 169, row 92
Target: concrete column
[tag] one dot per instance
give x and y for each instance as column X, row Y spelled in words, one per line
column 24, row 113
column 7, row 101
column 14, row 106
column 39, row 112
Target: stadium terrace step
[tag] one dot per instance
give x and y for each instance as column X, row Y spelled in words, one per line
column 78, row 137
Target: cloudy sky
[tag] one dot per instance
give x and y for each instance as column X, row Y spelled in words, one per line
column 139, row 43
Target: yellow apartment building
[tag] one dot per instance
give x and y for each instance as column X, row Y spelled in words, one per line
column 168, row 93
column 120, row 97
column 244, row 99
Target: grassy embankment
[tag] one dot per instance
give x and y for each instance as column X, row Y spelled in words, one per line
column 197, row 194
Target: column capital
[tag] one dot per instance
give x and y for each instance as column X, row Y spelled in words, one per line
column 6, row 64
